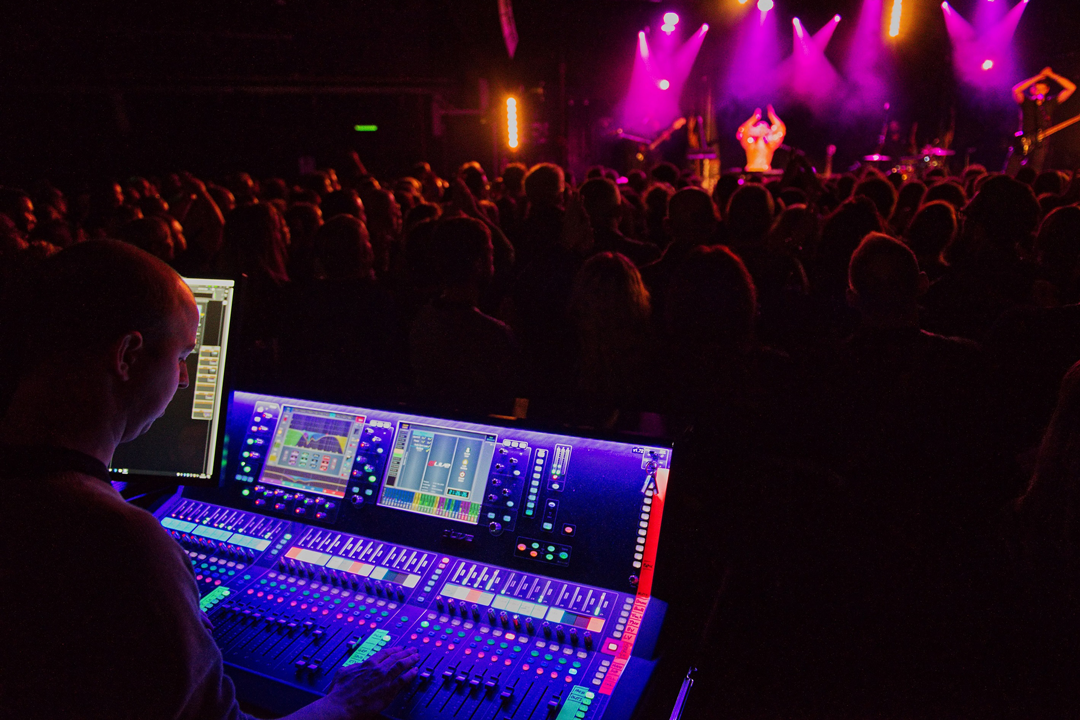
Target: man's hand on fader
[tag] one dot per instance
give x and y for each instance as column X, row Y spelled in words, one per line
column 365, row 689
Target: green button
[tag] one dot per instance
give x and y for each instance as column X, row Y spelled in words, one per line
column 534, row 653
column 562, row 661
column 563, row 555
column 245, row 492
column 425, row 624
column 576, row 664
column 548, row 657
column 551, row 548
column 549, row 556
column 307, row 592
column 204, row 565
column 536, row 546
column 477, row 638
column 352, row 605
column 517, row 648
column 404, row 619
column 490, row 641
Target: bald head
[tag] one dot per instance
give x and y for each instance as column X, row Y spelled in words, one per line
column 85, row 298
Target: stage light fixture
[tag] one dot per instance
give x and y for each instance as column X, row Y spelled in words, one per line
column 512, row 123
column 836, row 18
column 987, row 64
column 894, row 18
column 765, row 5
column 671, row 18
column 663, row 85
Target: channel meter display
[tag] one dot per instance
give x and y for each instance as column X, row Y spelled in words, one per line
column 436, row 471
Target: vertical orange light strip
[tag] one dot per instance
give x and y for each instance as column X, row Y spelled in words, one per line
column 512, row 123
column 894, row 18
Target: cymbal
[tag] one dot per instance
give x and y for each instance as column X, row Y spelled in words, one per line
column 937, row 152
column 876, row 157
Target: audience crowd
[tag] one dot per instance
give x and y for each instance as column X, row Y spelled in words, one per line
column 870, row 378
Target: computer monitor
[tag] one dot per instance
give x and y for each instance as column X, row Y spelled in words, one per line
column 183, row 443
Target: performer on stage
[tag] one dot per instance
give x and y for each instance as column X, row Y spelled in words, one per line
column 761, row 139
column 1036, row 115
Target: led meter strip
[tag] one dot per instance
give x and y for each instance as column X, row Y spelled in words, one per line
column 621, row 648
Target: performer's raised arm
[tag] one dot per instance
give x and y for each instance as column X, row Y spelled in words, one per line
column 777, row 129
column 1020, row 87
column 743, row 132
column 1068, row 87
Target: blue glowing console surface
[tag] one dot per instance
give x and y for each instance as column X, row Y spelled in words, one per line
column 519, row 562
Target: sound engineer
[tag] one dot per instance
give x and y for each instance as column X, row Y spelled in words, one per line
column 100, row 608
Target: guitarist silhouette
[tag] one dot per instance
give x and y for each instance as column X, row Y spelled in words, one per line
column 1037, row 107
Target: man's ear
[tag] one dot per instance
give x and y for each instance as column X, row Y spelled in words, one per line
column 127, row 351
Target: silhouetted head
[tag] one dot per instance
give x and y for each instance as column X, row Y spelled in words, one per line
column 255, row 241
column 343, row 249
column 514, row 178
column 749, row 215
column 951, row 192
column 1057, row 246
column 151, row 234
column 692, row 216
column 665, row 172
column 1048, row 181
column 884, row 282
column 16, row 204
column 1000, row 218
column 932, row 230
column 462, row 252
column 881, row 192
column 602, row 202
column 472, row 174
column 712, row 300
column 343, row 202
column 544, row 184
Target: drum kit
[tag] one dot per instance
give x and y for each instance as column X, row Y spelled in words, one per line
column 914, row 166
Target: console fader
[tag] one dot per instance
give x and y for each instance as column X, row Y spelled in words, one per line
column 518, row 562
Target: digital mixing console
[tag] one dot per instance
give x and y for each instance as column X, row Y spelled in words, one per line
column 518, row 562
